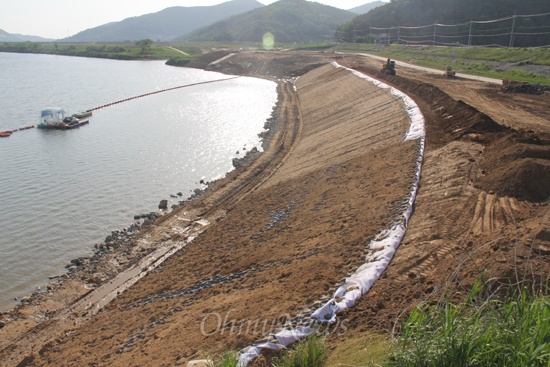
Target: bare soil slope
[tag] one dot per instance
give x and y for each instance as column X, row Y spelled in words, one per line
column 278, row 236
column 483, row 202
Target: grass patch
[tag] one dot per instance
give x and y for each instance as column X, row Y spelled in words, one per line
column 179, row 61
column 309, row 352
column 469, row 60
column 511, row 332
column 118, row 51
column 508, row 331
column 535, row 56
column 192, row 50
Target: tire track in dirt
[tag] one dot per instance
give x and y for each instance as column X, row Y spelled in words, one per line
column 444, row 187
column 493, row 211
column 458, row 211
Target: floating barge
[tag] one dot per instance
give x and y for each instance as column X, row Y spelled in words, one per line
column 55, row 118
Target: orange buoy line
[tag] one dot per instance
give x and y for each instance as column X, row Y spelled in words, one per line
column 158, row 91
column 7, row 133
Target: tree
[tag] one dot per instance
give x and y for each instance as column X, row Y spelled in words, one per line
column 144, row 44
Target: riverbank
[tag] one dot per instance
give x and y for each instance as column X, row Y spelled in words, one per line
column 275, row 238
column 91, row 279
column 140, row 163
column 121, row 51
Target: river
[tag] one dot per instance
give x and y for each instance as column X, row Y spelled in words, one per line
column 63, row 191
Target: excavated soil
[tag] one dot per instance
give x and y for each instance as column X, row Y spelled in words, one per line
column 276, row 237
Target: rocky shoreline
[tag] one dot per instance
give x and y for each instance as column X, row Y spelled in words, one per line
column 119, row 250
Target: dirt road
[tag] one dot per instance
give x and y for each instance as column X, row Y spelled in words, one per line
column 275, row 238
column 425, row 70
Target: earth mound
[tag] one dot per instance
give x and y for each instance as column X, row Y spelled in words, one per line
column 518, row 166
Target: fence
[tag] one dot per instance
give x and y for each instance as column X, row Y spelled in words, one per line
column 513, row 31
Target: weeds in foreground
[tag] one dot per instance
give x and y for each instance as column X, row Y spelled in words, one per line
column 310, row 352
column 514, row 331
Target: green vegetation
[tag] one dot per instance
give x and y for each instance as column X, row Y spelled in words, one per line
column 144, row 45
column 480, row 331
column 229, row 359
column 414, row 13
column 288, row 20
column 309, row 352
column 511, row 332
column 523, row 64
column 178, row 61
column 501, row 63
column 189, row 49
column 119, row 51
column 423, row 12
column 311, row 46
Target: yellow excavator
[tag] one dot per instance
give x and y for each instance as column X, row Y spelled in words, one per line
column 449, row 72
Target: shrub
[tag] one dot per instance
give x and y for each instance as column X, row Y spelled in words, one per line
column 177, row 61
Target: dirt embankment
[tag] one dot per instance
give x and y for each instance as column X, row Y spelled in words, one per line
column 483, row 201
column 287, row 229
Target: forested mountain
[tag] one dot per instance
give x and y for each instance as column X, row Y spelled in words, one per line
column 362, row 9
column 288, row 20
column 411, row 13
column 164, row 25
column 12, row 37
column 7, row 37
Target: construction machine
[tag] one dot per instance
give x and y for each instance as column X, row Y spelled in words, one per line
column 449, row 72
column 388, row 67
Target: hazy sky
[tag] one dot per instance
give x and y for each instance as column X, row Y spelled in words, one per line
column 63, row 18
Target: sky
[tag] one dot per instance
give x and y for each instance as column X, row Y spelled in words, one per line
column 63, row 18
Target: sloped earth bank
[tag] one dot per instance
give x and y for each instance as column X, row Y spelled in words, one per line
column 483, row 202
column 278, row 236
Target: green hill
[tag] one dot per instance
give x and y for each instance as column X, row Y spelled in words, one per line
column 288, row 20
column 414, row 13
column 164, row 25
column 362, row 9
column 10, row 37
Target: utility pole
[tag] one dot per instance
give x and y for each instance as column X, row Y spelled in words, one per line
column 370, row 36
column 512, row 33
column 398, row 35
column 435, row 32
column 470, row 34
